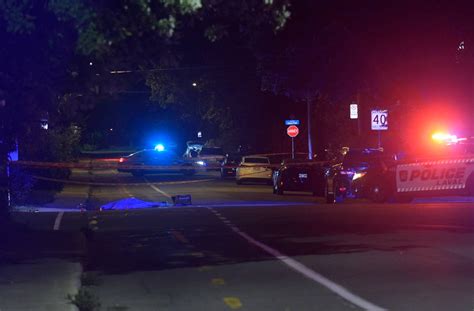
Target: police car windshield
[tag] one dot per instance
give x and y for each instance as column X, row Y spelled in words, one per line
column 360, row 157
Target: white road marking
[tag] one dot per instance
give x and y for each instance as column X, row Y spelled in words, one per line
column 127, row 192
column 57, row 222
column 309, row 273
column 157, row 189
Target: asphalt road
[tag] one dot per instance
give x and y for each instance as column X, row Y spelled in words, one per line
column 244, row 248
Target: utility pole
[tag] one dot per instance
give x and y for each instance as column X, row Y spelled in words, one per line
column 4, row 163
column 358, row 117
column 310, row 144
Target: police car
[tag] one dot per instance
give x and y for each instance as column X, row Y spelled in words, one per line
column 154, row 161
column 305, row 176
column 404, row 178
column 343, row 179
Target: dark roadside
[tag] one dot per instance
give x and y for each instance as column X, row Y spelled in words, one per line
column 20, row 241
column 39, row 268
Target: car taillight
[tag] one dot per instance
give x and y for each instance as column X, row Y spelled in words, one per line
column 121, row 160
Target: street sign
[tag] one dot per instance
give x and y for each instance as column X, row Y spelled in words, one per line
column 354, row 111
column 292, row 122
column 292, row 131
column 379, row 120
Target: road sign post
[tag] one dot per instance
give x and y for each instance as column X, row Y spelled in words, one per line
column 292, row 148
column 292, row 131
column 379, row 122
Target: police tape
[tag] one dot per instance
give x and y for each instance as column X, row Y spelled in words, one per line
column 187, row 166
column 107, row 165
column 110, row 184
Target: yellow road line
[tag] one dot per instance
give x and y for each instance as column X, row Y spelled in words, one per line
column 204, row 268
column 218, row 282
column 233, row 302
column 198, row 254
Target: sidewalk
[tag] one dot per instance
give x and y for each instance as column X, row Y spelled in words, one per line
column 40, row 285
column 38, row 269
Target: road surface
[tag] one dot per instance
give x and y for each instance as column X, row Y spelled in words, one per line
column 244, row 248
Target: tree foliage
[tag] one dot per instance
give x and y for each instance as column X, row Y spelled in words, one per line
column 57, row 55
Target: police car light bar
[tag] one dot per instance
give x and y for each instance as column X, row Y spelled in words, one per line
column 445, row 138
column 160, row 147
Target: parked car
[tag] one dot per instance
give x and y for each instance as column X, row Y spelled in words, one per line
column 254, row 168
column 229, row 166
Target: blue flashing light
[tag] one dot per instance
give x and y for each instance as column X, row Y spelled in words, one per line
column 160, row 147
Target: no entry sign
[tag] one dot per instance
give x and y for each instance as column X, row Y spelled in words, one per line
column 292, row 131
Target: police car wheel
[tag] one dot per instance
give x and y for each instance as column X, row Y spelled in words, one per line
column 279, row 190
column 377, row 194
column 188, row 172
column 470, row 185
column 138, row 174
column 330, row 198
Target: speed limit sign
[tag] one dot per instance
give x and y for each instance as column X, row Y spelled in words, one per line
column 379, row 120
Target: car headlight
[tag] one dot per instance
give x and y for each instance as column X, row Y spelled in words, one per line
column 202, row 163
column 358, row 175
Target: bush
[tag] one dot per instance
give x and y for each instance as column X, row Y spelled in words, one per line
column 54, row 145
column 85, row 300
column 21, row 185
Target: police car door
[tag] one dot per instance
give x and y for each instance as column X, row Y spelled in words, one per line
column 446, row 176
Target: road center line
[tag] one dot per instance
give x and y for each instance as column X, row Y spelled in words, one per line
column 124, row 189
column 309, row 273
column 157, row 189
column 57, row 221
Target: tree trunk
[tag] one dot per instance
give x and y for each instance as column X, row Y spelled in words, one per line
column 4, row 184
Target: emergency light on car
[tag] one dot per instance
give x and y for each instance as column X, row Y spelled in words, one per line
column 358, row 175
column 445, row 138
column 160, row 147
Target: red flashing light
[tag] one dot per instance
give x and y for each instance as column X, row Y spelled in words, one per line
column 445, row 138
